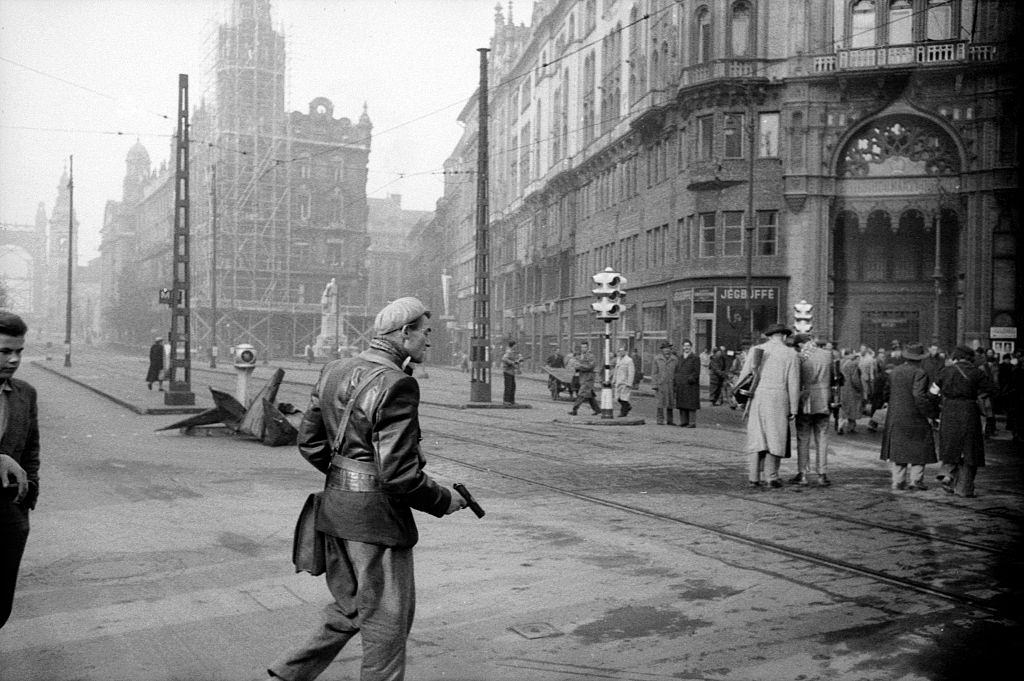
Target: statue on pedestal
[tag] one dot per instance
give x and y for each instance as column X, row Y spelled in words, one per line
column 329, row 298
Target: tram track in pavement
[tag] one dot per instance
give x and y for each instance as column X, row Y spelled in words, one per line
column 815, row 520
column 516, row 428
column 928, row 561
column 990, row 605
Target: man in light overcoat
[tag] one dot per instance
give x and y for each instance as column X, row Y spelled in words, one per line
column 772, row 411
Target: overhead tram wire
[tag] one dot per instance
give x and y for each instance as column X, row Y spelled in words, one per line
column 759, row 71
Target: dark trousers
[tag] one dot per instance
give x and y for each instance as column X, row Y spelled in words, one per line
column 687, row 417
column 510, row 389
column 591, row 400
column 716, row 389
column 375, row 594
column 13, row 536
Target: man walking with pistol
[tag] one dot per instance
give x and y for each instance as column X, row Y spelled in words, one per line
column 374, row 481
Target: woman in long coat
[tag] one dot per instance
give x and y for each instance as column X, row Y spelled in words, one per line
column 661, row 381
column 907, row 439
column 851, row 395
column 156, row 365
column 961, row 441
column 686, row 383
column 773, row 409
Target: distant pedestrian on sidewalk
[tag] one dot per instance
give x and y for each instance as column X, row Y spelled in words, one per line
column 638, row 368
column 662, row 377
column 19, row 457
column 772, row 411
column 816, row 380
column 156, row 365
column 622, row 381
column 686, row 382
column 908, row 440
column 718, row 368
column 374, row 481
column 509, row 368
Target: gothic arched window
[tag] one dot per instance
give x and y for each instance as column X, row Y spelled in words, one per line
column 703, row 36
column 899, row 145
column 739, row 28
column 863, row 23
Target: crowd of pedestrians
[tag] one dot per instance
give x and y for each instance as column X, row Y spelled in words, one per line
column 929, row 407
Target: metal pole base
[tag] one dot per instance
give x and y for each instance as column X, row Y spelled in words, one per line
column 178, row 394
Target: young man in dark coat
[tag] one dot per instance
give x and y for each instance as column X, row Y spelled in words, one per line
column 907, row 439
column 374, row 482
column 686, row 382
column 19, row 457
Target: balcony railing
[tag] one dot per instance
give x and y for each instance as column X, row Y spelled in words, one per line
column 722, row 68
column 926, row 54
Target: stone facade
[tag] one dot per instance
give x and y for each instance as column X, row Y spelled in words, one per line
column 859, row 156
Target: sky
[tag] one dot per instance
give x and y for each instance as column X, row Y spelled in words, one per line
column 89, row 78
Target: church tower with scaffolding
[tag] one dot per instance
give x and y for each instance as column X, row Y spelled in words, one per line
column 290, row 197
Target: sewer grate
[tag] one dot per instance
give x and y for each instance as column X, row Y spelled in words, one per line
column 536, row 630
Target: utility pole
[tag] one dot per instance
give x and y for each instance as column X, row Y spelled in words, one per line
column 213, row 266
column 480, row 344
column 752, row 150
column 180, row 392
column 71, row 258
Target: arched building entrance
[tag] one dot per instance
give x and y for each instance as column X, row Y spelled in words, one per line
column 896, row 224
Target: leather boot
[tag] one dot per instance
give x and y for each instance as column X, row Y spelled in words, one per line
column 659, row 415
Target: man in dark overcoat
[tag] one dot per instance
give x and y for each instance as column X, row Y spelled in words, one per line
column 686, row 383
column 961, row 439
column 19, row 457
column 907, row 439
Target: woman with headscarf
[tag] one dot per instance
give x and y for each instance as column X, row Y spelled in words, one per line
column 961, row 439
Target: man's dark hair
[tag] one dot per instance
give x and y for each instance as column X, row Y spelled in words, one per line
column 511, row 343
column 12, row 325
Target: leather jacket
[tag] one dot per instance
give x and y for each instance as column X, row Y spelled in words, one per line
column 378, row 476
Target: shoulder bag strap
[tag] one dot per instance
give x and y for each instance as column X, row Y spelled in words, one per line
column 343, row 424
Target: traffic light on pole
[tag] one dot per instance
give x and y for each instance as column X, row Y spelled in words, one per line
column 802, row 317
column 609, row 294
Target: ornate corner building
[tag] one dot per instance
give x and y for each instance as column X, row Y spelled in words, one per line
column 735, row 157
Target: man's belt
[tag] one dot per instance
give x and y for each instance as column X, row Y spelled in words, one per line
column 353, row 476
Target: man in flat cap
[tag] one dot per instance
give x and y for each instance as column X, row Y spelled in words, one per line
column 375, row 479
